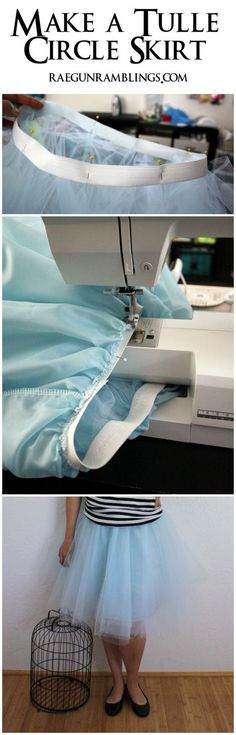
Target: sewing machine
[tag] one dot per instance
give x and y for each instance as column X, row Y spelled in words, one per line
column 127, row 254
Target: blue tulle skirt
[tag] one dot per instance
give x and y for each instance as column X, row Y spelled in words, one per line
column 116, row 578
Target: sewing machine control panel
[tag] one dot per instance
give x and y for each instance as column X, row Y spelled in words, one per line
column 147, row 333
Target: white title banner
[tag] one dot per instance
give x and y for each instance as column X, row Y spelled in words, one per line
column 130, row 46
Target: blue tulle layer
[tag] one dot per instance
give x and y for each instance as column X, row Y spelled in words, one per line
column 116, row 578
column 27, row 189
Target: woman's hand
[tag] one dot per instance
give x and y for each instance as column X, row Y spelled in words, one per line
column 158, row 502
column 10, row 111
column 64, row 550
column 72, row 511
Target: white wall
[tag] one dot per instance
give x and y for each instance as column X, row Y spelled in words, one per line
column 99, row 102
column 32, row 532
column 222, row 114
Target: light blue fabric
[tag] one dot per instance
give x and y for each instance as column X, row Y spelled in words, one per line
column 59, row 341
column 116, row 578
column 27, row 189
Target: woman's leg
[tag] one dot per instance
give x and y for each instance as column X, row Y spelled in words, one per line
column 132, row 654
column 113, row 654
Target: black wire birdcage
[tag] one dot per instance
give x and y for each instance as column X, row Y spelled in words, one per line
column 61, row 658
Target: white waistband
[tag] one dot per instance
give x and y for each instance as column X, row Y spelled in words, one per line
column 111, row 437
column 106, row 175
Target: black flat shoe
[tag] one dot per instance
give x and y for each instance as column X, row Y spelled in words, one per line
column 114, row 709
column 141, row 710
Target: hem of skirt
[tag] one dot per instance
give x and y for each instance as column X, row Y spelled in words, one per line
column 138, row 628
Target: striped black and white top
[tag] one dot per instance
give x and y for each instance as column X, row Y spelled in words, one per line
column 121, row 510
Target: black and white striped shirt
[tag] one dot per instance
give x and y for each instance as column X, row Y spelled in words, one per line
column 122, row 510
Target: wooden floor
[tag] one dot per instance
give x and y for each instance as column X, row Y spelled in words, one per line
column 178, row 704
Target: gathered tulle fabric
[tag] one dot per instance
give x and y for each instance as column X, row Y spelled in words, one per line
column 116, row 578
column 59, row 161
column 61, row 343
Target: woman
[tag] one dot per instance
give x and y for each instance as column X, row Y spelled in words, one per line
column 113, row 581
